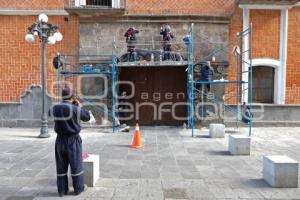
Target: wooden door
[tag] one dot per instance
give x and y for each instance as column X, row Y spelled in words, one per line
column 157, row 90
column 263, row 84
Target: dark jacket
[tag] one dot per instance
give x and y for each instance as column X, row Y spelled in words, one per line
column 67, row 118
column 57, row 62
column 131, row 34
column 167, row 37
column 207, row 73
column 247, row 116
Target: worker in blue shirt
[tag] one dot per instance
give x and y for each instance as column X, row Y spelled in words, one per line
column 207, row 73
column 68, row 145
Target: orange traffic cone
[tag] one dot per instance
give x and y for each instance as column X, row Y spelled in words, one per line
column 136, row 140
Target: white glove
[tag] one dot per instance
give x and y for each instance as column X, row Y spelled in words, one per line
column 92, row 118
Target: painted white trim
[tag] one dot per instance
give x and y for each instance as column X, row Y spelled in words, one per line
column 32, row 12
column 79, row 3
column 268, row 62
column 245, row 76
column 265, row 6
column 116, row 4
column 283, row 51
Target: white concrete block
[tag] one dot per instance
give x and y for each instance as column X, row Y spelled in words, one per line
column 280, row 171
column 217, row 130
column 239, row 145
column 91, row 169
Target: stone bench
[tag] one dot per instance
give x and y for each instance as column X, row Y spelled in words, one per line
column 217, row 130
column 280, row 171
column 239, row 145
column 91, row 169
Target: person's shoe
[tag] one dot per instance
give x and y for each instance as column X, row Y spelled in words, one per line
column 61, row 194
column 123, row 125
column 125, row 129
column 79, row 192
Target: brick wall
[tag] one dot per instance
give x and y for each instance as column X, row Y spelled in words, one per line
column 266, row 42
column 266, row 37
column 181, row 7
column 235, row 26
column 266, row 33
column 32, row 4
column 20, row 64
column 293, row 60
column 134, row 7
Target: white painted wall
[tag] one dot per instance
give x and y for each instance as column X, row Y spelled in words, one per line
column 245, row 66
column 283, row 52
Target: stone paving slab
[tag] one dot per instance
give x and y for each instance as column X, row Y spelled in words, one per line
column 171, row 165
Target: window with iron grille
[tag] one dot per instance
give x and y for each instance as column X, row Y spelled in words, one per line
column 98, row 3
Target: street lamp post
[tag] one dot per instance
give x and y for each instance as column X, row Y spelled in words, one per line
column 48, row 34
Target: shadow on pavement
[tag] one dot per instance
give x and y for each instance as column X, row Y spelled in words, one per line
column 218, row 153
column 20, row 198
column 257, row 183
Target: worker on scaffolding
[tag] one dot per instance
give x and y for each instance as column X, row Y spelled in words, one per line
column 206, row 77
column 166, row 37
column 130, row 36
column 57, row 62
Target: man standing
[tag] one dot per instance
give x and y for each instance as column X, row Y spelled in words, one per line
column 166, row 37
column 68, row 145
column 131, row 40
column 207, row 73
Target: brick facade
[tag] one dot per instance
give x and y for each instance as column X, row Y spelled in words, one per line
column 20, row 61
column 266, row 33
column 293, row 60
column 32, row 4
column 235, row 26
column 183, row 7
column 20, row 64
column 266, row 44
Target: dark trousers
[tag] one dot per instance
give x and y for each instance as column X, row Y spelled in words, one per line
column 201, row 87
column 208, row 87
column 68, row 151
column 131, row 54
column 167, row 52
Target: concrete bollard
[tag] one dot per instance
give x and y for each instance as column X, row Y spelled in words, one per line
column 217, row 130
column 91, row 169
column 280, row 171
column 239, row 145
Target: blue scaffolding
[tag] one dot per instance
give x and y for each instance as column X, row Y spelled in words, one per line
column 247, row 86
column 69, row 69
column 192, row 84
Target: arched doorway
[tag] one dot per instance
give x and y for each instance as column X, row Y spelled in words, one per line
column 263, row 84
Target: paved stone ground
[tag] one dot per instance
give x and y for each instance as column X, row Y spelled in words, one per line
column 172, row 165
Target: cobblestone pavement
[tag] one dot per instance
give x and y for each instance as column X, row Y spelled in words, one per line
column 171, row 165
